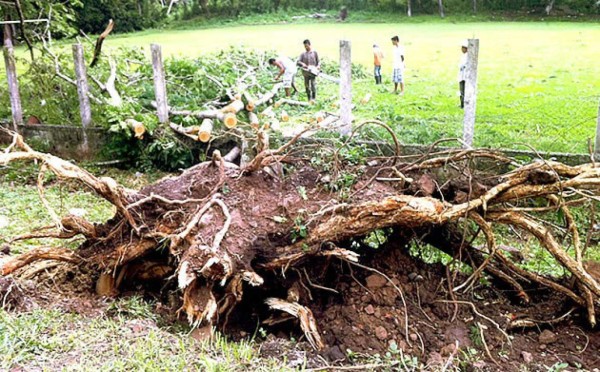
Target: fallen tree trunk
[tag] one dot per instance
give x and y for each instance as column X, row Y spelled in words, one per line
column 229, row 229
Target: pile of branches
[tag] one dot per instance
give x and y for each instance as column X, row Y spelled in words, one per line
column 208, row 97
column 222, row 229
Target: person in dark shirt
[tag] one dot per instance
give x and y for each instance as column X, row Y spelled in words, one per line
column 310, row 63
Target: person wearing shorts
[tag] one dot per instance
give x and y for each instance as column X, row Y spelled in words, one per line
column 287, row 71
column 398, row 65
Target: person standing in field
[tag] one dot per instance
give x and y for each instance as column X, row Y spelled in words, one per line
column 377, row 57
column 462, row 72
column 310, row 63
column 398, row 65
column 288, row 70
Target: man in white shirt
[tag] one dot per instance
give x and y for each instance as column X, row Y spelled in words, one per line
column 398, row 65
column 462, row 72
column 288, row 69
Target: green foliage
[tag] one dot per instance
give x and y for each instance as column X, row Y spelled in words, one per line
column 61, row 12
column 299, row 230
column 128, row 15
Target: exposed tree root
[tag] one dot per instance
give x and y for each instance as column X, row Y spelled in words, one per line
column 224, row 231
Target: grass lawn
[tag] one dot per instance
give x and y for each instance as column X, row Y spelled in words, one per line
column 539, row 83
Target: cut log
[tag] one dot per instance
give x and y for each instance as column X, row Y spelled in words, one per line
column 190, row 132
column 269, row 95
column 248, row 101
column 253, row 120
column 230, row 120
column 234, row 107
column 268, row 112
column 205, row 130
column 138, row 128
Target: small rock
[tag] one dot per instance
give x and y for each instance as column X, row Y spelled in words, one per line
column 381, row 333
column 372, row 163
column 243, row 334
column 375, row 281
column 377, row 313
column 527, row 357
column 413, row 337
column 547, row 337
column 542, row 347
column 369, row 309
column 326, row 179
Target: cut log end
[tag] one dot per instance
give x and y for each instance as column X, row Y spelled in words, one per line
column 230, row 120
column 205, row 130
column 138, row 128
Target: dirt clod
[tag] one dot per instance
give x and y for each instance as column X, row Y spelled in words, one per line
column 527, row 357
column 547, row 337
column 375, row 281
column 381, row 333
column 426, row 185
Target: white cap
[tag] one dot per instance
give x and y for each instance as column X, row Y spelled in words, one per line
column 465, row 44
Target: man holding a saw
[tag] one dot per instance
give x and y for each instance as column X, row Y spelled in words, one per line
column 311, row 65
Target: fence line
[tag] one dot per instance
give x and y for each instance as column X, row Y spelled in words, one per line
column 469, row 119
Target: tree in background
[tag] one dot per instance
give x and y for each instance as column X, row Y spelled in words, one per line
column 129, row 15
column 62, row 14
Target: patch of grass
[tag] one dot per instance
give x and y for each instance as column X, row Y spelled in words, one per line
column 22, row 208
column 50, row 340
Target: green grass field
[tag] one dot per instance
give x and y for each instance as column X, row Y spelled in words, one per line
column 539, row 83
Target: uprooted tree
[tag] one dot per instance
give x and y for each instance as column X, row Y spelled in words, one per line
column 223, row 230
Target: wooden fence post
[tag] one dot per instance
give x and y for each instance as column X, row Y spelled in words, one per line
column 13, row 83
column 160, row 86
column 470, row 92
column 85, row 109
column 597, row 147
column 345, row 87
